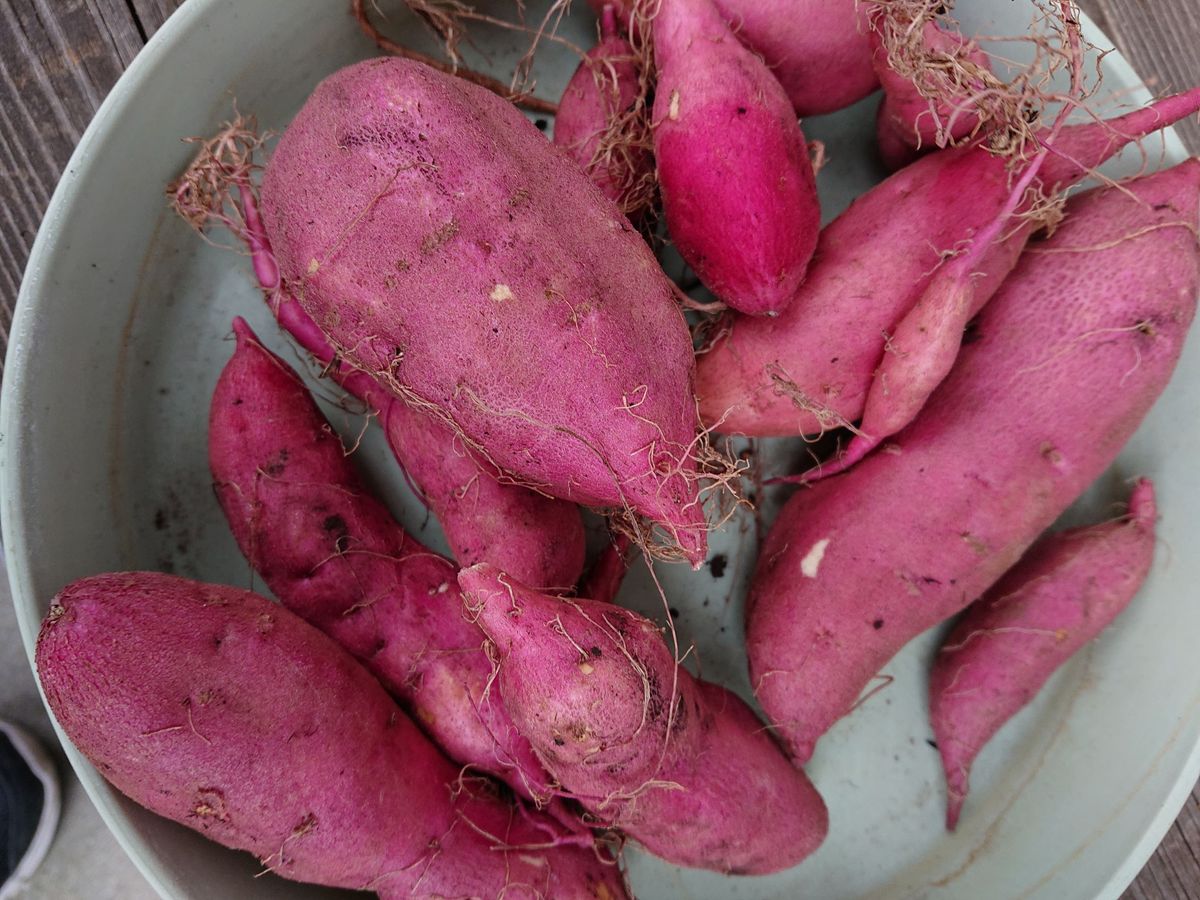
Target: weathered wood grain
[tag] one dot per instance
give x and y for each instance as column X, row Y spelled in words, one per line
column 57, row 62
column 1173, row 872
column 150, row 14
column 1162, row 40
column 58, row 59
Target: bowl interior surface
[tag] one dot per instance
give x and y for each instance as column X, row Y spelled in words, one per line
column 105, row 468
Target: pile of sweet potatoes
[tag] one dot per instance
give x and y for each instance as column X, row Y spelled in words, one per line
column 491, row 723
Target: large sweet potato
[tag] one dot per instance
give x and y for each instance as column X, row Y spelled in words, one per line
column 218, row 709
column 485, row 518
column 443, row 245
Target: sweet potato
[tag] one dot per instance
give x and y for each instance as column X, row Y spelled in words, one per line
column 444, row 246
column 910, row 123
column 818, row 49
column 538, row 538
column 333, row 554
column 199, row 702
column 599, row 123
column 924, row 344
column 738, row 190
column 1062, row 593
column 484, row 519
column 1062, row 366
column 811, row 369
column 682, row 766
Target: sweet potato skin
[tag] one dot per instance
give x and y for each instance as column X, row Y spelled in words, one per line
column 818, row 49
column 599, row 94
column 907, row 125
column 400, row 226
column 196, row 701
column 738, row 189
column 538, row 538
column 1061, row 594
column 811, row 368
column 1063, row 365
column 682, row 766
column 333, row 554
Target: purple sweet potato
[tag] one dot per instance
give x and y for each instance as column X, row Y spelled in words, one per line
column 334, row 555
column 811, row 369
column 597, row 122
column 1061, row 368
column 444, row 246
column 538, row 538
column 1062, row 593
column 738, row 190
column 200, row 702
column 911, row 123
column 682, row 766
column 818, row 49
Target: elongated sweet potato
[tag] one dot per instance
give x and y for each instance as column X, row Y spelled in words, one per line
column 484, row 518
column 333, row 554
column 1062, row 366
column 600, row 126
column 818, row 49
column 441, row 244
column 925, row 342
column 200, row 702
column 682, row 766
column 811, row 368
column 737, row 184
column 1063, row 592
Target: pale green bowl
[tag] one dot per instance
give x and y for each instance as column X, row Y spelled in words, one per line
column 116, row 346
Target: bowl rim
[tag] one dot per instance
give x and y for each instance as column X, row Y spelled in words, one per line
column 14, row 401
